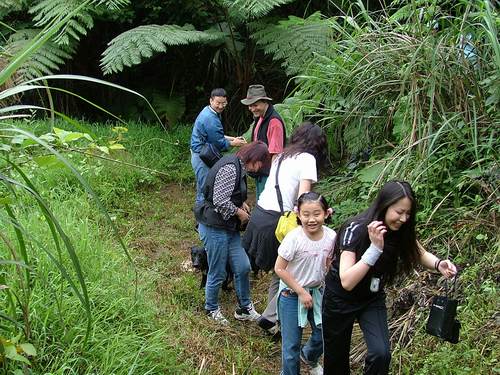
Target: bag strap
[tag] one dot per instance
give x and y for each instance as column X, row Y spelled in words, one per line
column 277, row 187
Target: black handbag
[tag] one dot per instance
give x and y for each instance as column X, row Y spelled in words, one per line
column 442, row 320
column 210, row 154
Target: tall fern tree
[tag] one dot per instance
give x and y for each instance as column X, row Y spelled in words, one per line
column 45, row 61
column 52, row 55
column 295, row 41
column 133, row 46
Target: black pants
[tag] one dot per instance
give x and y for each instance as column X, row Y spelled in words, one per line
column 337, row 331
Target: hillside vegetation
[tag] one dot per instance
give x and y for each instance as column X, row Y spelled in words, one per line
column 94, row 252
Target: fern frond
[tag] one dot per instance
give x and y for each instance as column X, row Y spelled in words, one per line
column 295, row 41
column 47, row 11
column 408, row 10
column 8, row 6
column 251, row 9
column 130, row 47
column 45, row 61
column 112, row 4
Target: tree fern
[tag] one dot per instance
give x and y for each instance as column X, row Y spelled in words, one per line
column 130, row 47
column 47, row 11
column 295, row 41
column 45, row 61
column 8, row 6
column 250, row 9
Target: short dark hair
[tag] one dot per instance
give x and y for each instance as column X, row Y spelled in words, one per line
column 312, row 196
column 218, row 92
column 310, row 138
column 255, row 151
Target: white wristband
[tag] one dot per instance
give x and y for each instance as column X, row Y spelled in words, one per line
column 371, row 255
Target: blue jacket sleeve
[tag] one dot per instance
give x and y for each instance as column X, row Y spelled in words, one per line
column 215, row 133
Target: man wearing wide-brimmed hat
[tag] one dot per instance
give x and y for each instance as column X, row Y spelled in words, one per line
column 268, row 125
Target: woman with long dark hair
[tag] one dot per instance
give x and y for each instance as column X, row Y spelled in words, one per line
column 298, row 170
column 371, row 249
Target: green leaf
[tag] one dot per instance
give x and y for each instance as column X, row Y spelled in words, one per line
column 66, row 136
column 49, row 137
column 248, row 9
column 4, row 147
column 29, row 349
column 371, row 173
column 18, row 140
column 119, row 129
column 103, row 149
column 116, row 146
column 10, row 351
column 6, row 200
column 48, row 161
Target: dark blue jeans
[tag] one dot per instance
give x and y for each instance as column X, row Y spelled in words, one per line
column 200, row 172
column 223, row 245
column 291, row 335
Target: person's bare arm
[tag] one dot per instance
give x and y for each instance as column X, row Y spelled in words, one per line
column 304, row 186
column 352, row 272
column 280, row 269
column 430, row 261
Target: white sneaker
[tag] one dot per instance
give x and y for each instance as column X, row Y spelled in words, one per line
column 246, row 313
column 217, row 316
column 317, row 370
column 314, row 369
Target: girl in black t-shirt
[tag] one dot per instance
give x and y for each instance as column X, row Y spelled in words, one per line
column 371, row 249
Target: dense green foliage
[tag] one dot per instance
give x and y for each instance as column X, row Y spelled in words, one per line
column 184, row 49
column 47, row 313
column 410, row 92
column 414, row 95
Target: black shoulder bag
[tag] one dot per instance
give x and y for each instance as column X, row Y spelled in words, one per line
column 210, row 154
column 442, row 320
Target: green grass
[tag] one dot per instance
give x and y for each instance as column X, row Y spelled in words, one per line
column 126, row 337
column 161, row 327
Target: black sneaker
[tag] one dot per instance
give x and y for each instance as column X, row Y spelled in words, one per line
column 268, row 326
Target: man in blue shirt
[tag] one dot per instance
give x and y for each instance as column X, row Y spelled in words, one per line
column 208, row 129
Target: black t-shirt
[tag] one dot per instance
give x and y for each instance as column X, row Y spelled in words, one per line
column 353, row 237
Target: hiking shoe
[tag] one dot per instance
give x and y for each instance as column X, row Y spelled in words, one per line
column 314, row 368
column 246, row 313
column 318, row 370
column 217, row 316
column 268, row 326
